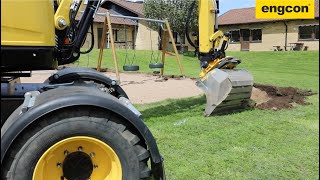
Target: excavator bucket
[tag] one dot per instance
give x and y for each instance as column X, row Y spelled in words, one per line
column 226, row 90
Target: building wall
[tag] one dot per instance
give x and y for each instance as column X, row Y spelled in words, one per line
column 119, row 45
column 187, row 46
column 143, row 40
column 293, row 33
column 273, row 34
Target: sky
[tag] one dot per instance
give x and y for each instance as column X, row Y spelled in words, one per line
column 226, row 5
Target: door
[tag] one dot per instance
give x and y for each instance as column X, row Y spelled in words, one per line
column 245, row 39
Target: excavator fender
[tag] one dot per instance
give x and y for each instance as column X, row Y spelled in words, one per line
column 68, row 75
column 61, row 98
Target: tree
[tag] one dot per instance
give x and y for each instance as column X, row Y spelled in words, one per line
column 175, row 11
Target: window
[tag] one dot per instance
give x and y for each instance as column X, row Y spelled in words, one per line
column 115, row 34
column 309, row 32
column 256, row 35
column 100, row 30
column 99, row 36
column 120, row 35
column 235, row 36
column 245, row 34
column 305, row 32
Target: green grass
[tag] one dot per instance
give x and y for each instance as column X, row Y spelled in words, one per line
column 285, row 68
column 253, row 144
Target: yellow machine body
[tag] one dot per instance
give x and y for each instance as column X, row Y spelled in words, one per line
column 206, row 25
column 27, row 28
column 226, row 89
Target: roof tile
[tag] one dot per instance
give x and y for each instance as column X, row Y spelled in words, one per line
column 114, row 20
column 135, row 7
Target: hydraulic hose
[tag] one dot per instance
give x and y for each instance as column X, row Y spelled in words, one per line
column 191, row 8
column 92, row 41
column 81, row 31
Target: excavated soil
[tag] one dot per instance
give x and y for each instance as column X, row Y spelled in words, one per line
column 276, row 98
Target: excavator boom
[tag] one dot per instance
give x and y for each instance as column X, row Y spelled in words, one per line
column 226, row 88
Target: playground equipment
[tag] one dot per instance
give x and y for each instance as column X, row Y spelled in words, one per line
column 154, row 61
column 129, row 63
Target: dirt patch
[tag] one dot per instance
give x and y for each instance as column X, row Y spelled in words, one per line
column 276, row 98
column 141, row 88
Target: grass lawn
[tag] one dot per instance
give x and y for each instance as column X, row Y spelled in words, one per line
column 253, row 144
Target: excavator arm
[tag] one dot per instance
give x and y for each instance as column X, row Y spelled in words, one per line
column 227, row 89
column 70, row 36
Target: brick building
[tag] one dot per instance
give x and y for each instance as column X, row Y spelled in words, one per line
column 127, row 33
column 247, row 32
column 251, row 34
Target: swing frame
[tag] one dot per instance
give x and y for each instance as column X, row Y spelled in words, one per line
column 107, row 25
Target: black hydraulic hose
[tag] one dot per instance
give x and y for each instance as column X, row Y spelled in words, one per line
column 92, row 41
column 188, row 24
column 83, row 28
column 85, row 14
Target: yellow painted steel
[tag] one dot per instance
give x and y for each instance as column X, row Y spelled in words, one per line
column 212, row 65
column 208, row 38
column 63, row 12
column 217, row 37
column 27, row 23
column 206, row 25
column 109, row 166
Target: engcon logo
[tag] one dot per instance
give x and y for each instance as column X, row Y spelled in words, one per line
column 285, row 9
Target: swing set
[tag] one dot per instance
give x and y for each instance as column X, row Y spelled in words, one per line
column 129, row 63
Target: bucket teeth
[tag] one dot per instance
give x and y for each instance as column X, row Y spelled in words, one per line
column 226, row 90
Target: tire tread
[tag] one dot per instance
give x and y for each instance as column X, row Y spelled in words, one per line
column 114, row 121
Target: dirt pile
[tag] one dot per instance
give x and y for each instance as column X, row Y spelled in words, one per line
column 276, row 98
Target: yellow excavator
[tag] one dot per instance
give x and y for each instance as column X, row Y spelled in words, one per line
column 227, row 89
column 80, row 124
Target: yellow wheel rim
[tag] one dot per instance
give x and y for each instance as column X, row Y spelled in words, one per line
column 106, row 164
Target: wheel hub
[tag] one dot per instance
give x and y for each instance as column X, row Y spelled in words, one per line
column 77, row 165
column 78, row 158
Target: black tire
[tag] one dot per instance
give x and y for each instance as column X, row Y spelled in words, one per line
column 156, row 65
column 36, row 139
column 131, row 68
column 11, row 119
